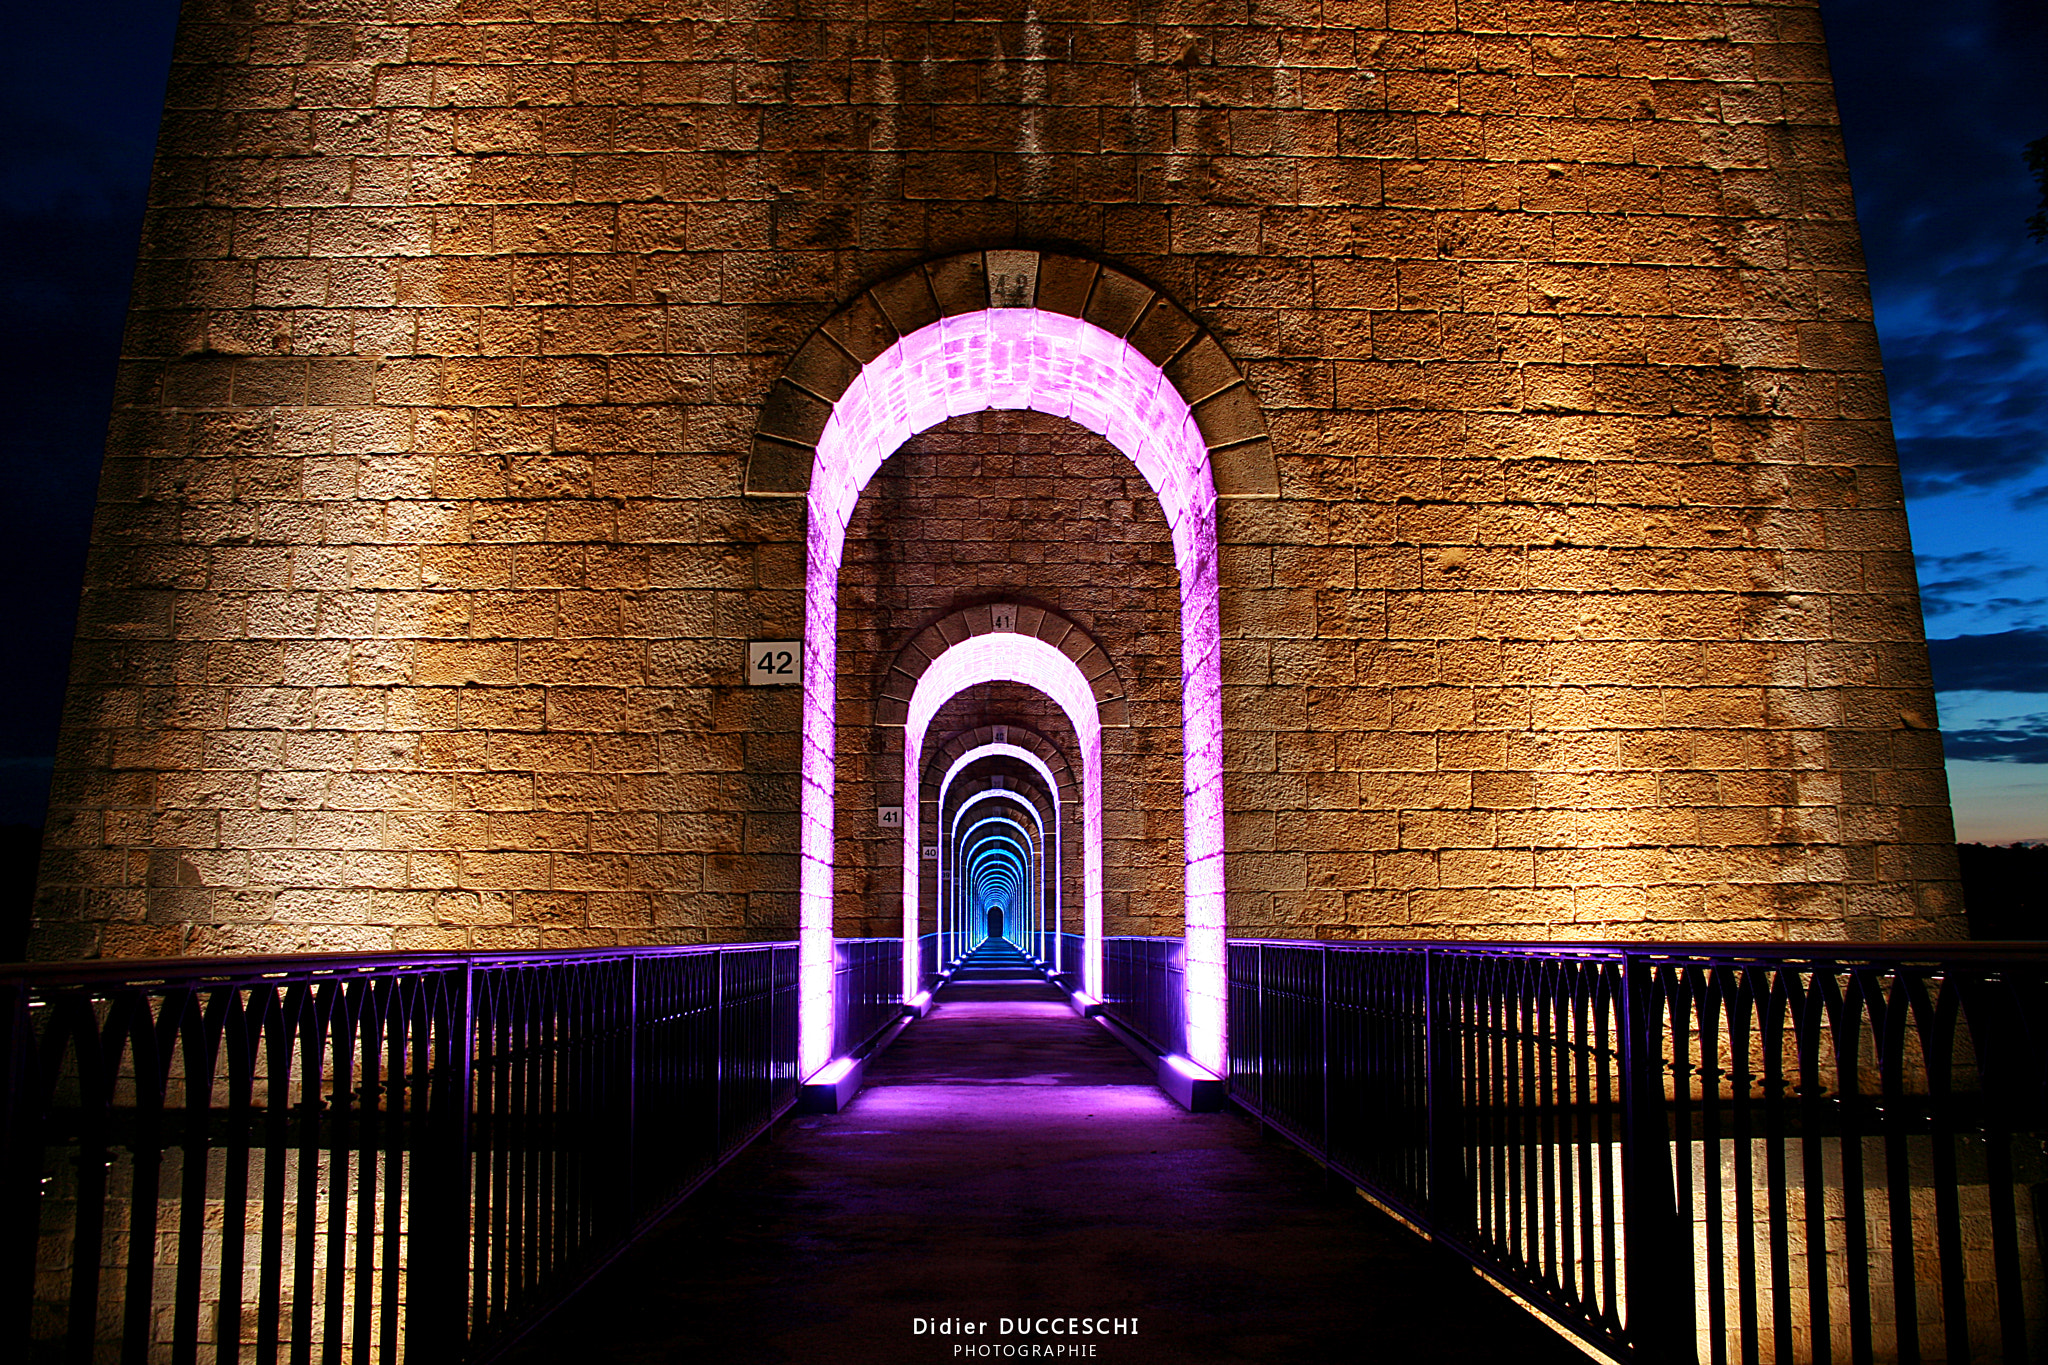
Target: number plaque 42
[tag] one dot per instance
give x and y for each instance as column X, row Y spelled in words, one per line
column 774, row 663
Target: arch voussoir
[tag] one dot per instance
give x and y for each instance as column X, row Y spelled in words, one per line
column 899, row 680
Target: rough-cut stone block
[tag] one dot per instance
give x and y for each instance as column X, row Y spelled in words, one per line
column 1116, row 302
column 927, row 644
column 959, row 284
column 1246, row 470
column 1202, row 370
column 1162, row 334
column 1064, row 283
column 822, row 368
column 778, row 469
column 862, row 328
column 1012, row 278
column 1230, row 418
column 906, row 300
column 792, row 415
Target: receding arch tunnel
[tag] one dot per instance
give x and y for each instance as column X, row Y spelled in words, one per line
column 1038, row 851
column 855, row 394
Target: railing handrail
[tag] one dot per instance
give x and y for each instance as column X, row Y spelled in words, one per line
column 149, row 970
column 1839, row 952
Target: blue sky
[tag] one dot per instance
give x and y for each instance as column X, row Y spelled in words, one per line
column 1937, row 102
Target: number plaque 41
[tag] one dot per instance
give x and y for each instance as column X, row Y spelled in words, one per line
column 775, row 663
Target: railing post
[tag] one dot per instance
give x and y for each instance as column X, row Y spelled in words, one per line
column 718, row 1047
column 20, row 1169
column 1265, row 1059
column 1323, row 954
column 632, row 1089
column 1660, row 1320
column 1443, row 1087
column 438, row 1295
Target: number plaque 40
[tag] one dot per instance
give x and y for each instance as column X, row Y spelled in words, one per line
column 774, row 663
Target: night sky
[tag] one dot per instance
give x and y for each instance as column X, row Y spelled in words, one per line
column 1938, row 100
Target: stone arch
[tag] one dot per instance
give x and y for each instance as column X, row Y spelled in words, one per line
column 1014, row 657
column 1025, row 796
column 991, row 849
column 893, row 701
column 801, row 400
column 1105, row 680
column 1026, row 748
column 983, row 736
column 1073, row 339
column 1002, row 808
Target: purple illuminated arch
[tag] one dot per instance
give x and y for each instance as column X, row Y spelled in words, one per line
column 1065, row 366
column 1008, row 657
column 1041, row 849
column 1052, row 839
column 1055, row 855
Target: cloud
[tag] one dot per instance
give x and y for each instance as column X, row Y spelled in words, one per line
column 1934, row 465
column 1946, row 596
column 1960, row 582
column 2009, row 661
column 2021, row 739
column 1968, row 559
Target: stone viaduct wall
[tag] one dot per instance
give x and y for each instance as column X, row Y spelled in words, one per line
column 422, row 568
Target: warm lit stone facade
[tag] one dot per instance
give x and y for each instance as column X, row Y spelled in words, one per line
column 426, row 556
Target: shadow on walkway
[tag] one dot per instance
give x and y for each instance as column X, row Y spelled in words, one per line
column 1011, row 1160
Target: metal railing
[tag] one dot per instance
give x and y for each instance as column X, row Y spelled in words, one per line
column 1143, row 984
column 867, row 990
column 1685, row 1152
column 928, row 964
column 1073, row 952
column 364, row 1157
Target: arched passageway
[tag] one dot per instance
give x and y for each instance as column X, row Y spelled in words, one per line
column 1018, row 869
column 1029, row 660
column 1031, row 770
column 1013, row 330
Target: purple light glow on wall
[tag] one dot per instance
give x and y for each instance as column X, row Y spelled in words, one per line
column 1066, row 367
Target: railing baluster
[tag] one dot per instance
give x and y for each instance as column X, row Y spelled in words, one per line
column 1659, row 1319
column 1894, row 1123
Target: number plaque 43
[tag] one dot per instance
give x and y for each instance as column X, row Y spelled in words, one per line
column 774, row 663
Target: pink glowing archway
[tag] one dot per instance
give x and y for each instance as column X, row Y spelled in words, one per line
column 1042, row 848
column 1065, row 366
column 1009, row 657
column 1056, row 846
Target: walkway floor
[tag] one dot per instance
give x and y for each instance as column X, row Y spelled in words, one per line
column 1011, row 1160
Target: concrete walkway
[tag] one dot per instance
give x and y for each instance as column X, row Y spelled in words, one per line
column 1011, row 1160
